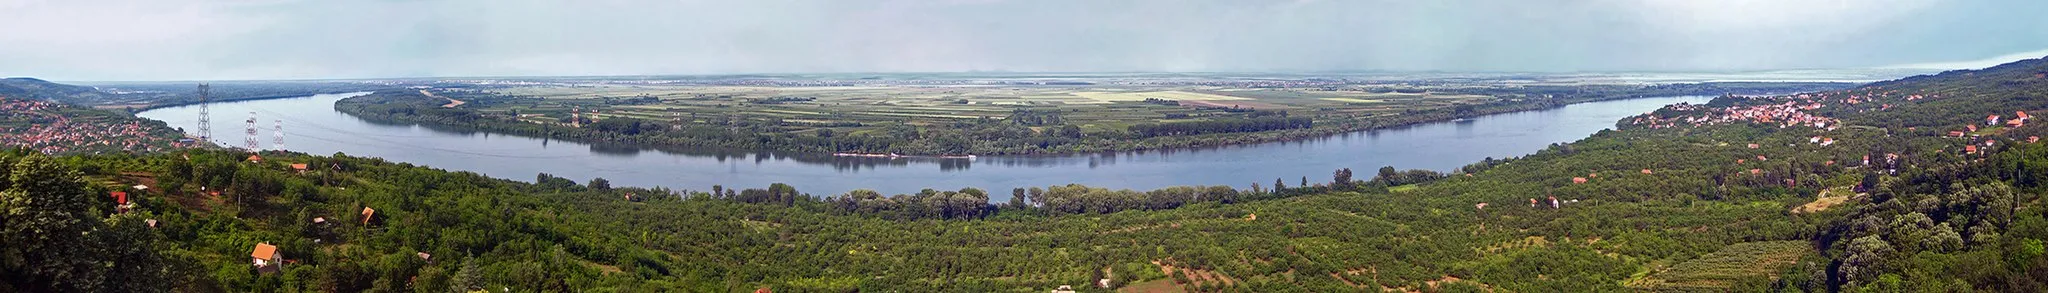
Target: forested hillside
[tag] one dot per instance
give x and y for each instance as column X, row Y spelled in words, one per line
column 1895, row 186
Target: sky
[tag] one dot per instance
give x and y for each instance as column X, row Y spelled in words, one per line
column 133, row 40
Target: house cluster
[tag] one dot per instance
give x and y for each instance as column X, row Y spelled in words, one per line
column 31, row 124
column 1790, row 113
column 2019, row 118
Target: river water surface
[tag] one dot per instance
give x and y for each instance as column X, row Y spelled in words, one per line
column 311, row 125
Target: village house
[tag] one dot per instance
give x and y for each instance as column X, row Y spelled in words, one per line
column 121, row 204
column 266, row 258
column 367, row 213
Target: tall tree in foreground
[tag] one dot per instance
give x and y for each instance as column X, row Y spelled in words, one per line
column 45, row 208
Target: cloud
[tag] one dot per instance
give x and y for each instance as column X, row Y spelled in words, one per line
column 182, row 40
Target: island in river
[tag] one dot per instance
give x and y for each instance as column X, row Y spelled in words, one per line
column 958, row 117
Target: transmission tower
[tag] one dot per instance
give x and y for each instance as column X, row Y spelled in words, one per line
column 576, row 117
column 205, row 121
column 251, row 142
column 277, row 135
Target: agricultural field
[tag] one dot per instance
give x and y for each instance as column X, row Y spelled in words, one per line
column 1721, row 270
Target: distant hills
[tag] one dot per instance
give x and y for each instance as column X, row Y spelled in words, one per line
column 152, row 94
column 31, row 88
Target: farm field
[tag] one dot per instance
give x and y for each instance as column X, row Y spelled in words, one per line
column 1719, row 271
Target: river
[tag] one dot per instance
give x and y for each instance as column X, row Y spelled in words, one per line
column 312, row 126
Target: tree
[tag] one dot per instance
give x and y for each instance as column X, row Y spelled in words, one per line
column 1037, row 196
column 1341, row 179
column 469, row 278
column 1866, row 255
column 1944, row 240
column 41, row 202
column 1279, row 185
column 1017, row 198
column 175, row 175
column 1387, row 174
column 600, row 184
column 1070, row 131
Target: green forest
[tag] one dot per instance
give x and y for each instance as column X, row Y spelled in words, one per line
column 1853, row 190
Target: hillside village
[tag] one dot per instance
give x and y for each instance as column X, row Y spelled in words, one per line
column 56, row 128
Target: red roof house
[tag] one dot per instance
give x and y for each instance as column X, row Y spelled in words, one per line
column 367, row 213
column 266, row 259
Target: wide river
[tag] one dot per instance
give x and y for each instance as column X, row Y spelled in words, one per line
column 311, row 125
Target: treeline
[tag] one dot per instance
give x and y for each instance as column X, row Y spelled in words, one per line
column 1180, row 128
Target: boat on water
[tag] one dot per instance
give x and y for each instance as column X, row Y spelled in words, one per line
column 1462, row 120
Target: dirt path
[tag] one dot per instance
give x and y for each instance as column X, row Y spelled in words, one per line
column 452, row 102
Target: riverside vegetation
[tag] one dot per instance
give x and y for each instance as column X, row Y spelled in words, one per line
column 1733, row 195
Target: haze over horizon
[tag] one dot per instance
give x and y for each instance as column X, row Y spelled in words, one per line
column 301, row 39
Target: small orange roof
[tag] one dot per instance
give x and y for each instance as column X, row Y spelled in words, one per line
column 367, row 212
column 264, row 251
column 299, row 166
column 255, row 158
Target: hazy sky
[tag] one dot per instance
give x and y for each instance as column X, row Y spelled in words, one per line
column 281, row 39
